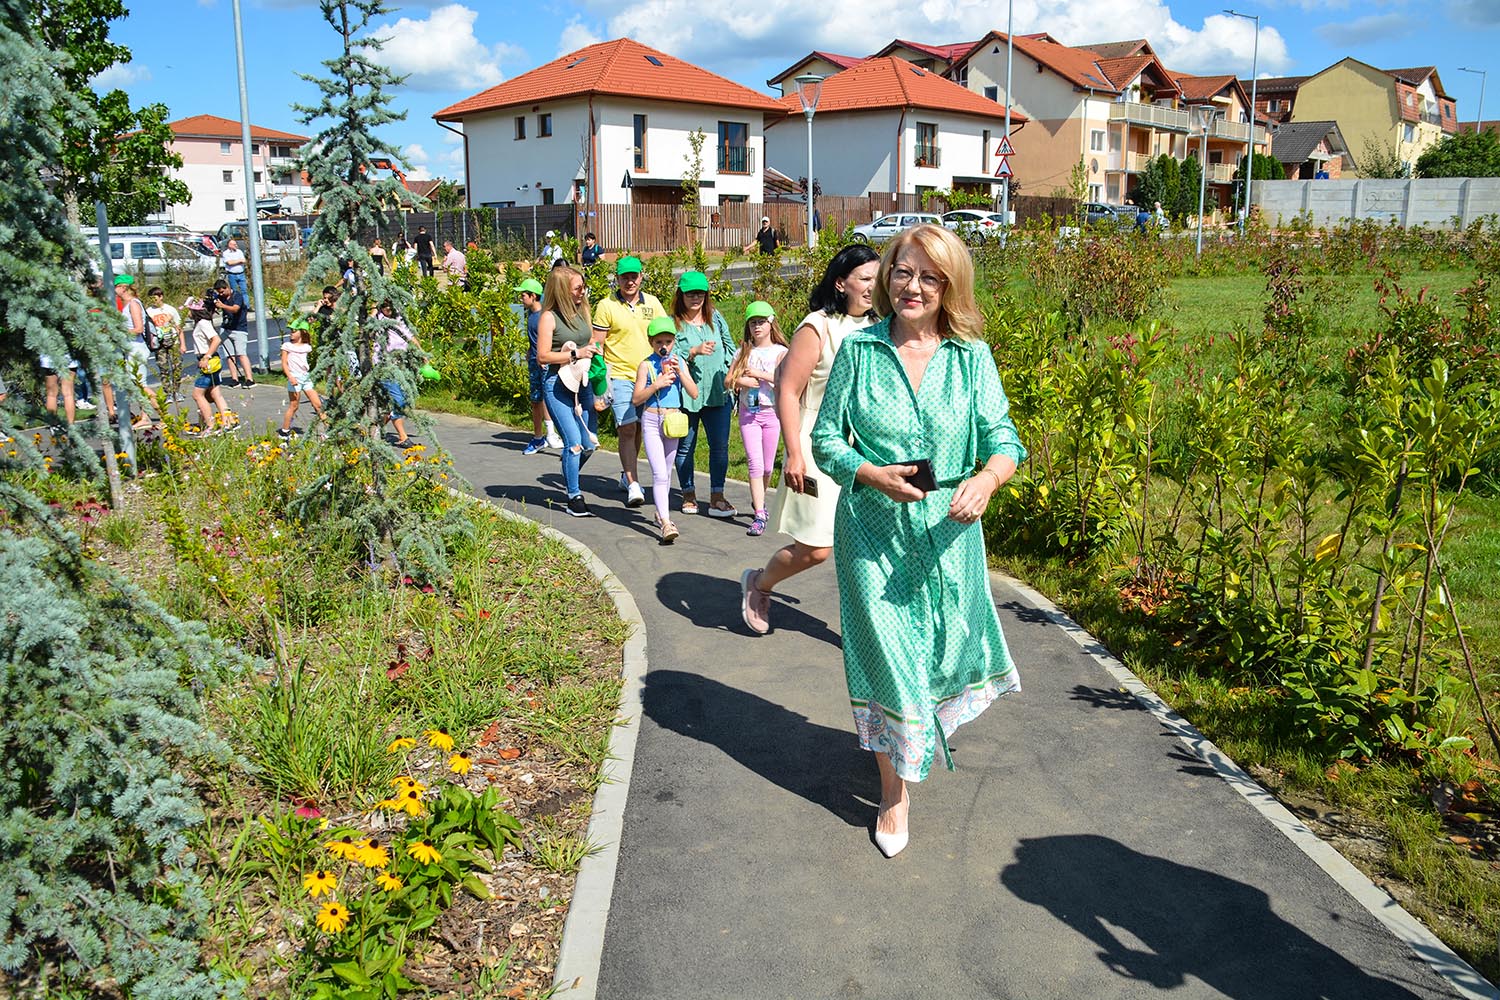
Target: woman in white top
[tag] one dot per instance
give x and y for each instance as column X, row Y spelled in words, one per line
column 806, row 499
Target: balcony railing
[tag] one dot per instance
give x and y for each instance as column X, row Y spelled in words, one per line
column 1154, row 115
column 1130, row 162
column 736, row 159
column 1236, row 131
column 928, row 155
column 1220, row 173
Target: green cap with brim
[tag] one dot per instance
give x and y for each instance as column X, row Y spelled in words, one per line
column 759, row 308
column 628, row 265
column 660, row 325
column 692, row 281
column 529, row 285
column 430, row 373
column 124, row 279
column 299, row 324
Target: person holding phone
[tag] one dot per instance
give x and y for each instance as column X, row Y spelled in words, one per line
column 919, row 396
column 841, row 303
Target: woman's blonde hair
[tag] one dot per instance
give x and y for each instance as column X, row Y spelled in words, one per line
column 742, row 359
column 958, row 314
column 557, row 295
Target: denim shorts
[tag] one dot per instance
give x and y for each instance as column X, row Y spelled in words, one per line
column 620, row 392
column 398, row 398
column 537, row 376
column 306, row 385
column 206, row 382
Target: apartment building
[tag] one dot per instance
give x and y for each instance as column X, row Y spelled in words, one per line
column 213, row 168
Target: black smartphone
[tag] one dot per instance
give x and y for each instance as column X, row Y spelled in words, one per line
column 922, row 478
column 809, row 486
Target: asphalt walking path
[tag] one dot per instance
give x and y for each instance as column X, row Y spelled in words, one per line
column 1079, row 850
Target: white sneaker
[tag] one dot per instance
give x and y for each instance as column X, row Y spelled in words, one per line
column 555, row 441
column 635, row 496
column 83, row 404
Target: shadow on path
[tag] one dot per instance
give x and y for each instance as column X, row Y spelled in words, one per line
column 1158, row 922
column 822, row 765
column 713, row 602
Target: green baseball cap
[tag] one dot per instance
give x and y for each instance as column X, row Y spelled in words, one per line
column 759, row 308
column 692, row 281
column 299, row 324
column 124, row 279
column 529, row 285
column 660, row 325
column 430, row 373
column 628, row 265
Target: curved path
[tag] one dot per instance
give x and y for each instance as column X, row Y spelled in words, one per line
column 1082, row 849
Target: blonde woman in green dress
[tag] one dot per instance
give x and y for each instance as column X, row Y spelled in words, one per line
column 915, row 428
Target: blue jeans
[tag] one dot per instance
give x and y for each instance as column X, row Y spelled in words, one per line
column 715, row 421
column 560, row 401
column 237, row 282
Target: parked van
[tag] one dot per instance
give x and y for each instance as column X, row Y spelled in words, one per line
column 279, row 238
column 138, row 253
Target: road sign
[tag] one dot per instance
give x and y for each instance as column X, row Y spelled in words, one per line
column 627, row 183
column 1004, row 169
column 1006, row 149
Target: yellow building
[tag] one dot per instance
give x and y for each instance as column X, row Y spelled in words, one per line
column 1400, row 111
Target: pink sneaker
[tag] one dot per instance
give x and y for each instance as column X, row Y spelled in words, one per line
column 755, row 604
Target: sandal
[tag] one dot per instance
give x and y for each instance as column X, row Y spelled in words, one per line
column 722, row 508
column 690, row 503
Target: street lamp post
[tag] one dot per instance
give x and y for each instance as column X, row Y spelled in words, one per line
column 1010, row 50
column 809, row 89
column 1478, row 111
column 1204, row 115
column 1254, row 69
column 252, row 219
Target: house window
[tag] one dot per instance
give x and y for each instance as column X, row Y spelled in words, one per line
column 1274, row 105
column 543, row 126
column 1408, row 133
column 927, row 147
column 520, row 126
column 229, row 177
column 639, row 141
column 257, row 177
column 1096, row 140
column 1215, row 157
column 255, row 149
column 223, row 149
column 992, row 94
column 734, row 148
column 984, row 152
column 547, row 198
column 962, row 76
column 1096, row 192
column 229, row 204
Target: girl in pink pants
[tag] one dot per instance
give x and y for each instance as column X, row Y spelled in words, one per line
column 752, row 374
column 660, row 382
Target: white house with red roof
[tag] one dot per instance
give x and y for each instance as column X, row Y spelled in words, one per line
column 887, row 126
column 610, row 124
column 213, row 168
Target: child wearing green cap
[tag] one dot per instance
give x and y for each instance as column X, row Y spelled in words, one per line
column 752, row 374
column 296, row 352
column 661, row 382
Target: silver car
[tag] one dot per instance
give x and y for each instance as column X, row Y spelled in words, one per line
column 887, row 226
column 152, row 255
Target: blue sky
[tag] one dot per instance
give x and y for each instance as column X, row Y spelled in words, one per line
column 184, row 49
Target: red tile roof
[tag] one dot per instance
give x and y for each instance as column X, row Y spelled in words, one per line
column 1202, row 88
column 947, row 53
column 1121, row 71
column 214, row 127
column 1078, row 66
column 619, row 68
column 892, row 82
column 1119, row 50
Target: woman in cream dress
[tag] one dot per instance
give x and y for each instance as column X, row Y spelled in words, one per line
column 806, row 499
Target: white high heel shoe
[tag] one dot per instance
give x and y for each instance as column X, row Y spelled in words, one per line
column 890, row 844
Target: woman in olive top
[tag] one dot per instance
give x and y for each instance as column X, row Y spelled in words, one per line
column 703, row 339
column 564, row 334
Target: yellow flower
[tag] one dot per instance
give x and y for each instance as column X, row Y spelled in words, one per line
column 459, row 763
column 341, row 848
column 410, row 802
column 404, row 743
column 390, row 804
column 370, row 854
column 333, row 917
column 404, row 784
column 439, row 738
column 319, row 883
column 389, row 883
column 424, row 852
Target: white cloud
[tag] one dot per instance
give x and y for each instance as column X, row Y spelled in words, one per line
column 1367, row 29
column 722, row 33
column 441, row 52
column 576, row 35
column 417, row 168
column 120, row 76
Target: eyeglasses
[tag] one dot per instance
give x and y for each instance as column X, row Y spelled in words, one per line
column 901, row 277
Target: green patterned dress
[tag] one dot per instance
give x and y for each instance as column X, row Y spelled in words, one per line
column 923, row 650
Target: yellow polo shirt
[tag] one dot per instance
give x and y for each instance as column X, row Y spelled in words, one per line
column 625, row 341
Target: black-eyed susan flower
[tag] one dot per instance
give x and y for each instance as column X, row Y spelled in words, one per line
column 319, row 883
column 372, row 854
column 460, row 763
column 343, row 847
column 410, row 802
column 333, row 917
column 424, row 852
column 401, row 743
column 392, row 804
column 388, row 882
column 439, row 738
column 404, row 784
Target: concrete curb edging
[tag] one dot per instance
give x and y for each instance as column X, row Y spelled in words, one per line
column 582, row 949
column 1391, row 914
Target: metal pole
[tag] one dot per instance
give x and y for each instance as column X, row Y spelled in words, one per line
column 809, row 181
column 1010, row 48
column 1202, row 181
column 122, row 398
column 1250, row 174
column 1479, row 111
column 252, row 222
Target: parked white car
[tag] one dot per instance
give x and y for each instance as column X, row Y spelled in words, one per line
column 154, row 255
column 887, row 226
column 973, row 225
column 280, row 239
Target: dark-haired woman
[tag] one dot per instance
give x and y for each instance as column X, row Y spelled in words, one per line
column 806, row 499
